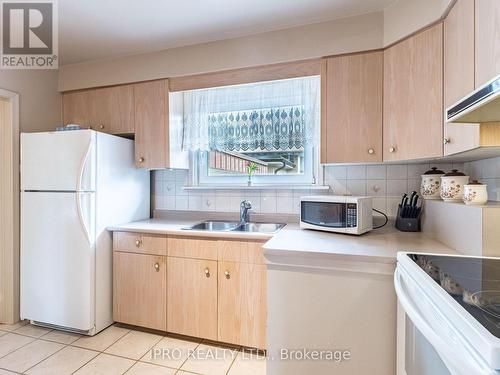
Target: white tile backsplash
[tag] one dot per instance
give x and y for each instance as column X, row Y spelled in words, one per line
column 356, row 172
column 386, row 183
column 356, row 187
column 397, row 172
column 376, row 188
column 487, row 171
column 376, row 172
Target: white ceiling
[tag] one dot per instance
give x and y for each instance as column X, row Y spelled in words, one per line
column 97, row 29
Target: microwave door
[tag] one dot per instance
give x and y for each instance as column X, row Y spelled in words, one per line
column 325, row 214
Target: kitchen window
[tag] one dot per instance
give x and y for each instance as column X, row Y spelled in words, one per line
column 271, row 127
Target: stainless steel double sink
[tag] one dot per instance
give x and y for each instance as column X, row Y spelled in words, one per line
column 234, row 226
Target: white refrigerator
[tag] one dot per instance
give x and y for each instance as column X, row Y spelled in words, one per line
column 73, row 185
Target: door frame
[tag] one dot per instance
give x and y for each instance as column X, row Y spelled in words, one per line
column 9, row 215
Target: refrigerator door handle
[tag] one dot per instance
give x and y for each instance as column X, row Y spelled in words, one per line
column 83, row 164
column 81, row 218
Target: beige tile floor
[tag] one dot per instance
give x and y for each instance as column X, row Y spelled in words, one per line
column 27, row 349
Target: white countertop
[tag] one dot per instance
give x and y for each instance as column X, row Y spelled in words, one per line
column 379, row 245
column 174, row 227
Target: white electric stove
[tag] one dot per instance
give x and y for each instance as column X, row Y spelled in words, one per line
column 449, row 314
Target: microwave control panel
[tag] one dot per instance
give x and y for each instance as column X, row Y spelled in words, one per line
column 351, row 215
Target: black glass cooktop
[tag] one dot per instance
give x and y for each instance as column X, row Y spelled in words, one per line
column 473, row 282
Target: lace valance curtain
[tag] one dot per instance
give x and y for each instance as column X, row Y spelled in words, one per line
column 269, row 116
column 270, row 129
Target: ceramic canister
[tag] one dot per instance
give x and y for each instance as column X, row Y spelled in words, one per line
column 452, row 186
column 431, row 183
column 475, row 193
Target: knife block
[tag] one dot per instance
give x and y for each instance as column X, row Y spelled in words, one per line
column 408, row 224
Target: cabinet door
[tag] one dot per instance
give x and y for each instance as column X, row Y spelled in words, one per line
column 487, row 40
column 413, row 97
column 459, row 52
column 192, row 297
column 113, row 109
column 151, row 124
column 77, row 108
column 354, row 108
column 242, row 314
column 461, row 137
column 140, row 290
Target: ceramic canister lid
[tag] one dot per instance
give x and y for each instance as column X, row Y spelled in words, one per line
column 433, row 170
column 454, row 172
column 474, row 182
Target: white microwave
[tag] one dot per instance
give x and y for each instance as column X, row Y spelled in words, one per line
column 332, row 213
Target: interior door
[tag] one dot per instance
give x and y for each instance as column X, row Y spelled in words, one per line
column 57, row 258
column 58, row 161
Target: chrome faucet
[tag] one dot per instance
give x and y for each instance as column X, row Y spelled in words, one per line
column 245, row 208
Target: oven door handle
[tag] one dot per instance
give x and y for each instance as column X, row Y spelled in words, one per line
column 454, row 360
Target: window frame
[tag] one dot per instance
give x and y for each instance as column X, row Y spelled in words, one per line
column 311, row 177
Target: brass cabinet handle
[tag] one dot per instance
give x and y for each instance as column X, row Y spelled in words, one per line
column 157, row 267
column 392, row 149
column 371, row 151
column 207, row 272
column 227, row 274
column 446, row 141
column 101, row 126
column 141, row 160
column 138, row 243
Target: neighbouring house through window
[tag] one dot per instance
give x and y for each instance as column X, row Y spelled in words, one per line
column 271, row 126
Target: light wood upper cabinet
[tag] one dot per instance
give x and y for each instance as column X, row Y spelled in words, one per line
column 459, row 52
column 151, row 124
column 109, row 109
column 192, row 297
column 140, row 290
column 413, row 97
column 487, row 40
column 113, row 109
column 468, row 137
column 242, row 311
column 77, row 108
column 354, row 93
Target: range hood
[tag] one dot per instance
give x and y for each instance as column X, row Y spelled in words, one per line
column 483, row 105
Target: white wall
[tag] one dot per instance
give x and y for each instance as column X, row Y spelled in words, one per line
column 406, row 16
column 39, row 100
column 321, row 39
column 345, row 35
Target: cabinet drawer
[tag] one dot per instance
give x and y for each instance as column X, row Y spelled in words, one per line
column 140, row 243
column 241, row 251
column 189, row 247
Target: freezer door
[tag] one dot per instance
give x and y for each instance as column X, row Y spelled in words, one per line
column 58, row 161
column 58, row 258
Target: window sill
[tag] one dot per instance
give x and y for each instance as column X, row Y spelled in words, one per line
column 258, row 187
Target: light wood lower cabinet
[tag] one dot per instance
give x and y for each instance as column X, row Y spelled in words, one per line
column 242, row 304
column 140, row 290
column 214, row 289
column 192, row 297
